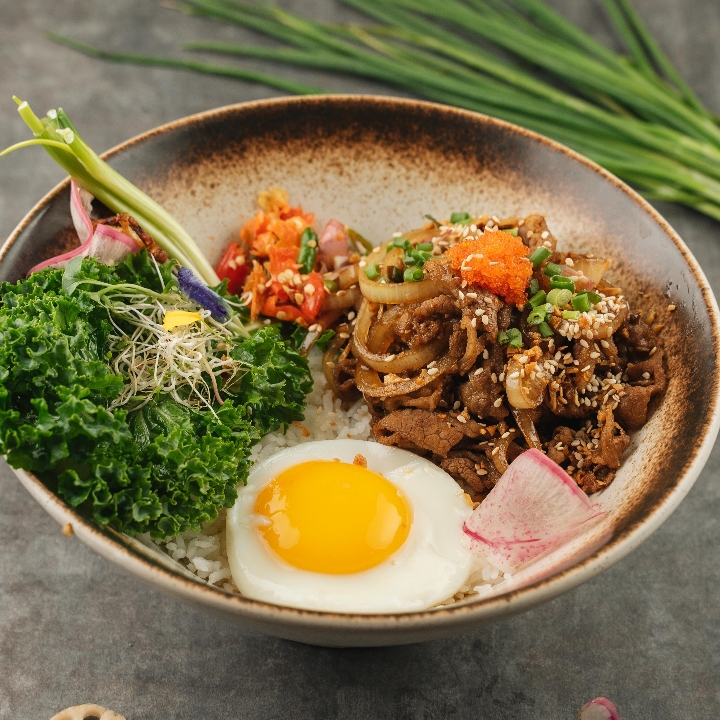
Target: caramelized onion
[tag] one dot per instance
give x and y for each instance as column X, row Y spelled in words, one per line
column 347, row 276
column 369, row 383
column 524, row 393
column 328, row 364
column 340, row 300
column 371, row 340
column 523, row 418
column 593, row 268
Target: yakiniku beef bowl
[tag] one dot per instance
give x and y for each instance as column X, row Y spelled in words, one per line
column 370, row 372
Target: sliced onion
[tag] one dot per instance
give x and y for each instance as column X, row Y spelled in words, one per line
column 335, row 301
column 379, row 335
column 79, row 210
column 523, row 418
column 347, row 276
column 599, row 709
column 533, row 509
column 369, row 383
column 524, row 393
column 334, row 245
column 592, row 268
column 394, row 293
column 328, row 363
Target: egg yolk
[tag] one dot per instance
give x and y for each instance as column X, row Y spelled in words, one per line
column 333, row 517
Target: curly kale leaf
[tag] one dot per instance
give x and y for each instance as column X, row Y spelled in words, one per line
column 164, row 468
column 276, row 381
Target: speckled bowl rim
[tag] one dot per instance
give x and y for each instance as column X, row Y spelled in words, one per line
column 112, row 546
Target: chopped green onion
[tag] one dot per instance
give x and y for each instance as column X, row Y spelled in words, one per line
column 534, row 287
column 537, row 299
column 512, row 231
column 593, row 297
column 581, row 303
column 552, row 269
column 537, row 316
column 426, row 246
column 571, row 315
column 511, row 337
column 372, row 271
column 401, row 242
column 420, row 257
column 460, row 217
column 308, row 250
column 514, row 338
column 559, row 297
column 539, row 255
column 331, row 286
column 562, row 282
column 413, row 275
column 545, row 330
column 432, row 220
column 408, row 260
column 357, row 239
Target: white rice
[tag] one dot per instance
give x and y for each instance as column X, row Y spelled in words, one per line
column 203, row 553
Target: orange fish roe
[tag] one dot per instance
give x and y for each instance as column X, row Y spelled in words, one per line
column 496, row 261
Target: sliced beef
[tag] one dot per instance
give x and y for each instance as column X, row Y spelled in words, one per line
column 480, row 393
column 613, row 440
column 633, row 406
column 418, row 429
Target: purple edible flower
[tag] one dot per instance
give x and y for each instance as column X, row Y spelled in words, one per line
column 194, row 290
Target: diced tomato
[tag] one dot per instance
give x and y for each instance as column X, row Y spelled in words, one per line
column 313, row 300
column 271, row 309
column 234, row 268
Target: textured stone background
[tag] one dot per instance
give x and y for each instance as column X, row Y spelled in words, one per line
column 75, row 629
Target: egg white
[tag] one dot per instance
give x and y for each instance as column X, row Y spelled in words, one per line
column 431, row 566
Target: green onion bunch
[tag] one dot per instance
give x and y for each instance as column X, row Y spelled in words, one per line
column 514, row 59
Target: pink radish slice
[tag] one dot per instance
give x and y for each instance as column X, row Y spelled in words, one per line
column 107, row 245
column 334, row 245
column 80, row 212
column 534, row 508
column 599, row 709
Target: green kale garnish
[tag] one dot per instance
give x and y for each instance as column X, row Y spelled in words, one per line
column 164, row 468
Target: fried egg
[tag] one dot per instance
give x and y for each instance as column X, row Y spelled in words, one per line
column 349, row 526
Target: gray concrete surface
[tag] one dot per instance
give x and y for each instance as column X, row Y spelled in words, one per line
column 75, row 629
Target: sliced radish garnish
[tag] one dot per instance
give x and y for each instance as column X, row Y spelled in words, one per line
column 106, row 244
column 599, row 709
column 334, row 245
column 534, row 508
column 80, row 203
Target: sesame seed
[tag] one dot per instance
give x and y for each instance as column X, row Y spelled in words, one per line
column 586, row 368
column 547, row 244
column 504, row 435
column 493, row 376
column 522, row 359
column 281, row 315
column 456, row 405
column 486, row 354
column 594, row 355
column 390, row 358
column 671, row 307
column 309, row 289
column 433, row 371
column 646, row 375
column 584, row 343
column 544, row 235
column 343, row 336
column 478, row 371
column 485, row 319
column 559, row 446
column 498, row 402
column 530, row 233
column 473, row 322
column 569, row 262
column 362, row 264
column 299, row 297
column 482, row 471
column 472, row 295
column 495, row 451
column 501, row 377
column 605, row 343
column 652, row 352
column 514, row 375
column 478, row 312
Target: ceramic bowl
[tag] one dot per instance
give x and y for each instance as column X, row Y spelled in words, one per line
column 380, row 164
